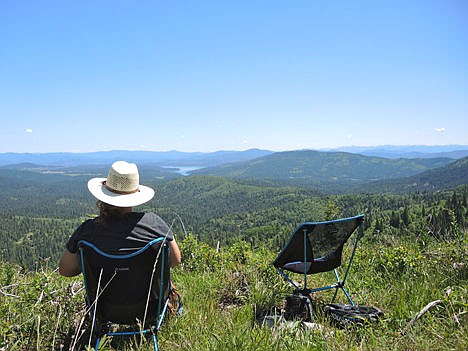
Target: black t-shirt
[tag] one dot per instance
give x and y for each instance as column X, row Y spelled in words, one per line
column 129, row 232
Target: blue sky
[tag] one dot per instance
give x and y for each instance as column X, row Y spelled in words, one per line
column 200, row 75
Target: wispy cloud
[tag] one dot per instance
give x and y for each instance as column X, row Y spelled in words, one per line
column 440, row 130
column 29, row 130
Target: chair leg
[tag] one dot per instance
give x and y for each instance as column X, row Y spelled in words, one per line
column 347, row 295
column 155, row 342
column 334, row 295
column 96, row 346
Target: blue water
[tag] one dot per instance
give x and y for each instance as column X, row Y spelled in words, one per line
column 183, row 170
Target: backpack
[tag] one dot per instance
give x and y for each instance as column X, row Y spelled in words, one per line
column 347, row 315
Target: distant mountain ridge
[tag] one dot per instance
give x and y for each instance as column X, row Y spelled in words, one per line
column 161, row 158
column 408, row 151
column 209, row 159
column 327, row 172
column 319, row 166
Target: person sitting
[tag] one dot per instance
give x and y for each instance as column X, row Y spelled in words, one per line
column 118, row 229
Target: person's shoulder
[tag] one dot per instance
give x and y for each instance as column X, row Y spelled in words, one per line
column 84, row 230
column 151, row 217
column 87, row 224
column 156, row 222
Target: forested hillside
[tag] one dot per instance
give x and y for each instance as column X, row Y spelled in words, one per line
column 41, row 209
column 449, row 176
column 329, row 169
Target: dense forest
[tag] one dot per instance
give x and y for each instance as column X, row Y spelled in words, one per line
column 316, row 166
column 41, row 209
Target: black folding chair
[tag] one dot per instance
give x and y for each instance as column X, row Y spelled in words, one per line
column 131, row 289
column 316, row 247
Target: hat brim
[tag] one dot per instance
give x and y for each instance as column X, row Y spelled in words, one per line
column 99, row 191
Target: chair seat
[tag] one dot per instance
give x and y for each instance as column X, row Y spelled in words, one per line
column 297, row 266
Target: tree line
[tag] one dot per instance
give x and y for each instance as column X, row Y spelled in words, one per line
column 37, row 217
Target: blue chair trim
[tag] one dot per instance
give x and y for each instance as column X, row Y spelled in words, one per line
column 105, row 254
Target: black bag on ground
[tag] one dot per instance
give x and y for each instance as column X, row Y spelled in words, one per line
column 298, row 307
column 347, row 315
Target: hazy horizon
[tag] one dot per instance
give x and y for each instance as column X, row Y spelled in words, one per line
column 414, row 148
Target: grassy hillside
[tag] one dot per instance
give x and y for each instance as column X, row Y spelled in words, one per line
column 224, row 293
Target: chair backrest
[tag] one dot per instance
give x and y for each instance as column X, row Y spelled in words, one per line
column 316, row 247
column 127, row 288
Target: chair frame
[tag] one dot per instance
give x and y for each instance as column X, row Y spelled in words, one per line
column 162, row 254
column 340, row 283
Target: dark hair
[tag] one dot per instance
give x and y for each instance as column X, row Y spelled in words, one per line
column 108, row 212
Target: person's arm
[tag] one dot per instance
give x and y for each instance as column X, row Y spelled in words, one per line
column 69, row 264
column 175, row 256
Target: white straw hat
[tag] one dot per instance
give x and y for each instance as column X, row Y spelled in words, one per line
column 121, row 188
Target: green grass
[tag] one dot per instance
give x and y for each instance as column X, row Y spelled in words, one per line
column 224, row 291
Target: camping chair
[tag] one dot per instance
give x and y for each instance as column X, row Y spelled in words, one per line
column 131, row 289
column 316, row 247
